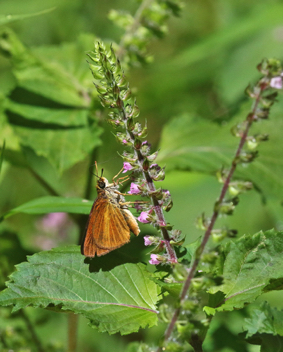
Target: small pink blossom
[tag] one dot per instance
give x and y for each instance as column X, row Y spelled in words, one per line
column 147, row 241
column 134, row 189
column 53, row 221
column 276, row 82
column 124, row 141
column 138, row 207
column 127, row 167
column 143, row 217
column 154, row 259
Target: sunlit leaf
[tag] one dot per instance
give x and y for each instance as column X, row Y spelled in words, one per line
column 194, row 144
column 122, row 300
column 250, row 263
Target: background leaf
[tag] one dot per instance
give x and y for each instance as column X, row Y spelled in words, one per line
column 264, row 319
column 120, row 300
column 250, row 263
column 190, row 143
column 49, row 204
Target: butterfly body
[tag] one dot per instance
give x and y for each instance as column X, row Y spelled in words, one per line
column 110, row 222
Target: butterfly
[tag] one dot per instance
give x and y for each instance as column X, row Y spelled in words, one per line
column 110, row 221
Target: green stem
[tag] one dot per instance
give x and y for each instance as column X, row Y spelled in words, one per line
column 31, row 329
column 72, row 332
column 134, row 26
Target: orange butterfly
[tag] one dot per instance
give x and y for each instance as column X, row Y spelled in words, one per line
column 110, row 222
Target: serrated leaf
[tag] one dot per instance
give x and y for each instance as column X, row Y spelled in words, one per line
column 50, row 204
column 46, row 78
column 122, row 300
column 194, row 144
column 264, row 319
column 250, row 263
column 62, row 147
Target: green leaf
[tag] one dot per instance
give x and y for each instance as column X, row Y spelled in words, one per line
column 44, row 77
column 250, row 263
column 271, row 343
column 11, row 253
column 50, row 204
column 62, row 147
column 4, row 19
column 264, row 319
column 122, row 300
column 194, row 144
column 62, row 117
column 2, row 151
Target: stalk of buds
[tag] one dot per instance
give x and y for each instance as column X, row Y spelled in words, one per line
column 114, row 93
column 263, row 93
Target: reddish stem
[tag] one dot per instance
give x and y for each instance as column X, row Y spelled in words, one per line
column 250, row 119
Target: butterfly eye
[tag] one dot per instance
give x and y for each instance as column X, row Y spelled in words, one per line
column 101, row 184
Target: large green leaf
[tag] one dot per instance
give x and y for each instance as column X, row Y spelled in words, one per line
column 250, row 264
column 189, row 143
column 44, row 77
column 264, row 327
column 122, row 300
column 264, row 320
column 62, row 147
column 49, row 204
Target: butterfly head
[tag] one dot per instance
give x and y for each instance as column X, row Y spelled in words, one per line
column 102, row 183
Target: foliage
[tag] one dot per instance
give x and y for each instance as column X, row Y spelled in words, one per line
column 196, row 292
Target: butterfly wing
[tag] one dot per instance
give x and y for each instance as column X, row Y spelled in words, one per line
column 106, row 230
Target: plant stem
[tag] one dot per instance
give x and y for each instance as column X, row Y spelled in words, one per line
column 144, row 4
column 151, row 188
column 72, row 331
column 250, row 119
column 49, row 189
column 31, row 329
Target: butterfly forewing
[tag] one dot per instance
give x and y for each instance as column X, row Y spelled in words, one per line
column 106, row 230
column 110, row 229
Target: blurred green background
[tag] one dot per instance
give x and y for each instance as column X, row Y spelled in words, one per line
column 200, row 68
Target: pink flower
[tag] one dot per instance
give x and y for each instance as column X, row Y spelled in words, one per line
column 154, row 259
column 53, row 221
column 127, row 167
column 147, row 241
column 138, row 206
column 276, row 82
column 124, row 141
column 143, row 217
column 134, row 189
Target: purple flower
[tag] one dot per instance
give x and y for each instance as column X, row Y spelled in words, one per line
column 165, row 191
column 53, row 221
column 147, row 241
column 146, row 143
column 143, row 217
column 127, row 167
column 134, row 189
column 276, row 82
column 138, row 207
column 154, row 259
